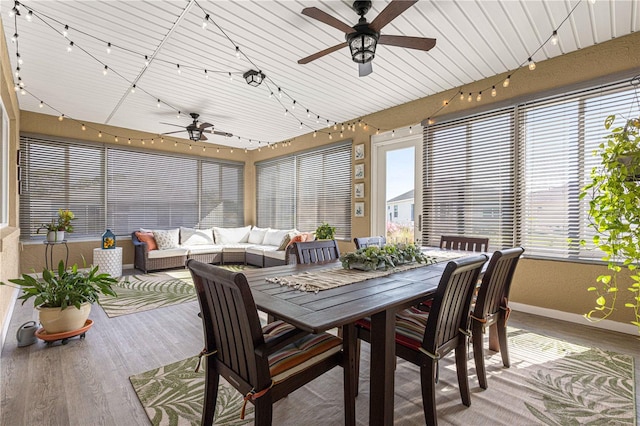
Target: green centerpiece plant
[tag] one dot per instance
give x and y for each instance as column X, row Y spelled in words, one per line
column 389, row 256
column 614, row 211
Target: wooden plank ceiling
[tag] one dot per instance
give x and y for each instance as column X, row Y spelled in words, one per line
column 475, row 39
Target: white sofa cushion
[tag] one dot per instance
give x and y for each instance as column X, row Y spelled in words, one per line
column 195, row 237
column 160, row 254
column 275, row 254
column 204, row 249
column 260, row 249
column 167, row 239
column 274, row 237
column 232, row 235
column 235, row 248
column 256, row 236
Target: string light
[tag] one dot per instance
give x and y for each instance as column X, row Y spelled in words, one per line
column 158, row 104
column 65, row 33
column 532, row 65
column 206, row 75
column 293, row 105
column 461, row 96
column 469, row 98
column 115, row 139
column 279, row 93
column 14, row 37
column 129, row 141
column 29, row 16
column 20, row 61
column 315, row 133
column 84, row 127
column 70, row 47
column 479, row 97
column 146, row 61
column 133, row 89
column 318, row 120
column 99, row 134
column 410, row 130
column 105, row 70
column 237, row 52
column 41, row 104
column 61, row 117
column 178, row 115
column 286, row 112
column 108, row 48
column 393, row 133
column 493, row 92
column 330, row 137
column 17, row 73
column 506, row 81
column 179, row 70
column 205, row 22
column 554, row 38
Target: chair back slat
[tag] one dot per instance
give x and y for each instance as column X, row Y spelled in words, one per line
column 317, row 251
column 450, row 309
column 457, row 242
column 364, row 242
column 496, row 282
column 230, row 320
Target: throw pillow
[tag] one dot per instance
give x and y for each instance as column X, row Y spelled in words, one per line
column 300, row 238
column 167, row 239
column 232, row 235
column 147, row 238
column 286, row 239
column 195, row 237
column 274, row 237
column 256, row 236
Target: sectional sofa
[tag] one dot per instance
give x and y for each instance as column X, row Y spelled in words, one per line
column 170, row 248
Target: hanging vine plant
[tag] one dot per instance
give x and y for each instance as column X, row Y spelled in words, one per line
column 614, row 209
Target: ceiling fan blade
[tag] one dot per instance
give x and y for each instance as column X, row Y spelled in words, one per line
column 205, row 125
column 389, row 13
column 171, row 124
column 365, row 69
column 170, row 133
column 315, row 13
column 322, row 53
column 419, row 43
column 215, row 132
column 202, row 137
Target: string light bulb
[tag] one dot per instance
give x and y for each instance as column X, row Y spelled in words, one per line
column 41, row 104
column 493, row 92
column 469, row 98
column 506, row 81
column 105, row 70
column 20, row 61
column 84, row 127
column 23, row 92
column 393, row 133
column 532, row 65
column 108, row 48
column 99, row 134
column 206, row 75
column 554, row 38
column 318, row 120
column 205, row 21
column 14, row 37
column 410, row 130
column 330, row 137
column 461, row 96
column 315, row 133
column 30, row 16
column 129, row 141
column 17, row 73
column 65, row 32
column 61, row 117
column 230, row 76
column 279, row 93
column 293, row 105
column 237, row 52
column 158, row 104
column 146, row 60
column 70, row 47
column 178, row 115
column 115, row 139
column 133, row 89
column 479, row 97
column 179, row 70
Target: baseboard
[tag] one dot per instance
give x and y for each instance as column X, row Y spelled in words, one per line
column 575, row 318
column 7, row 319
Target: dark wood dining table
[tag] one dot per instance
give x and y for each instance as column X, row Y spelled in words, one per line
column 377, row 298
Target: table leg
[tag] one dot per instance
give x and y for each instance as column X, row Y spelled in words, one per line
column 383, row 361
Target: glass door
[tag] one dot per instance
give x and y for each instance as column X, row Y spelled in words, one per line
column 397, row 192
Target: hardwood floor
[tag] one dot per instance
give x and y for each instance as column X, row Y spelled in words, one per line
column 86, row 382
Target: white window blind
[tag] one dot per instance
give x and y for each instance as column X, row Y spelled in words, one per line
column 4, row 167
column 306, row 189
column 61, row 175
column 558, row 138
column 469, row 178
column 124, row 189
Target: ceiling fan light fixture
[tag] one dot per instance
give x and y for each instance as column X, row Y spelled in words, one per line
column 253, row 78
column 363, row 45
column 194, row 132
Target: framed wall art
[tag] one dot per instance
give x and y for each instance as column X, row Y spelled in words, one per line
column 359, row 209
column 358, row 190
column 359, row 152
column 358, row 171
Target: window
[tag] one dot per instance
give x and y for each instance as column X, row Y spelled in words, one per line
column 558, row 138
column 395, row 210
column 104, row 189
column 468, row 186
column 303, row 190
column 4, row 168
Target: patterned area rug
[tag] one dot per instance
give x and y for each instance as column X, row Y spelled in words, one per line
column 143, row 292
column 550, row 382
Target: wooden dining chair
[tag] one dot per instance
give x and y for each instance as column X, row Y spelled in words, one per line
column 264, row 363
column 364, row 242
column 492, row 307
column 423, row 338
column 316, row 251
column 458, row 242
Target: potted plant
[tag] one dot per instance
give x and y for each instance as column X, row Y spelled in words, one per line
column 64, row 297
column 614, row 212
column 325, row 232
column 374, row 257
column 57, row 227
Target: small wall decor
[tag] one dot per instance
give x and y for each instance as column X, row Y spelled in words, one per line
column 358, row 171
column 108, row 240
column 359, row 209
column 358, row 190
column 359, row 152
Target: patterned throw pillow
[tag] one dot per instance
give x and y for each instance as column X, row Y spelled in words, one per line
column 167, row 239
column 286, row 240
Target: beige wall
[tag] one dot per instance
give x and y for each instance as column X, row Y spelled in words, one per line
column 554, row 285
column 9, row 235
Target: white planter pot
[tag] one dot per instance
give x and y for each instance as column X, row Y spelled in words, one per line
column 55, row 236
column 57, row 320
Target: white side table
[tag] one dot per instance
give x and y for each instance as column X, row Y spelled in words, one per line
column 108, row 260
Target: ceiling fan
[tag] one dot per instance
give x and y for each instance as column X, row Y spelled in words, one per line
column 363, row 37
column 196, row 131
